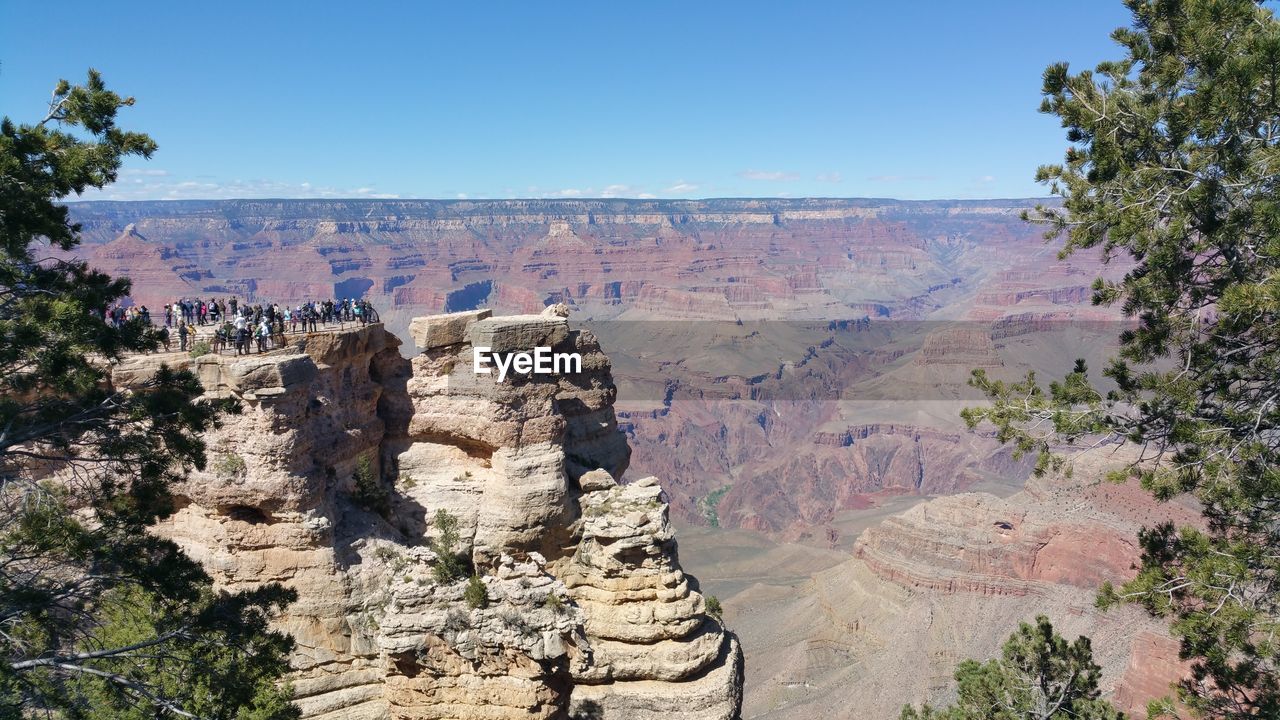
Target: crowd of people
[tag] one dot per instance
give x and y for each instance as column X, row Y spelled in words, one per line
column 242, row 326
column 118, row 315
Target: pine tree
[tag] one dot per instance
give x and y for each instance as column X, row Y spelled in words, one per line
column 1039, row 676
column 99, row 617
column 1175, row 165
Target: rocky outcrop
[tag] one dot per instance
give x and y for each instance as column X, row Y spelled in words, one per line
column 645, row 619
column 968, row 346
column 980, row 543
column 1017, row 293
column 331, row 480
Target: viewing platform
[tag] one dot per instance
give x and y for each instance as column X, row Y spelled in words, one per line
column 261, row 374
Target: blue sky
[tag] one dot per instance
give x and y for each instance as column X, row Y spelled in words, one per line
column 913, row 100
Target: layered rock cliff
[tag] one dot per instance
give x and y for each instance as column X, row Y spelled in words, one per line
column 329, row 482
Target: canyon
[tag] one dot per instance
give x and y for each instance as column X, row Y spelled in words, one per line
column 742, row 332
column 793, row 371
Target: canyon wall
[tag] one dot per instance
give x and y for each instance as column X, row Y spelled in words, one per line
column 330, row 482
column 697, row 259
column 701, row 304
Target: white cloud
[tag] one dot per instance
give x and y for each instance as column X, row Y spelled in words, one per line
column 770, row 175
column 987, row 179
column 618, row 190
column 153, row 186
column 615, row 190
column 831, row 177
column 900, row 178
column 144, row 172
column 157, row 186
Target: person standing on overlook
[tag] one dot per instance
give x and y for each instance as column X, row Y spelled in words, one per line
column 263, row 333
column 241, row 333
column 228, row 333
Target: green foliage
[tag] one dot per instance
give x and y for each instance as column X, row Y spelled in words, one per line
column 450, row 565
column 714, row 609
column 200, row 348
column 1174, row 159
column 1031, row 417
column 213, row 674
column 553, row 602
column 1039, row 676
column 229, row 465
column 76, row 552
column 711, row 502
column 476, row 595
column 370, row 493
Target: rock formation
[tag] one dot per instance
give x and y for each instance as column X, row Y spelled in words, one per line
column 940, row 581
column 330, row 482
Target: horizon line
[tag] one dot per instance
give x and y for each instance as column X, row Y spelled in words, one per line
column 78, row 201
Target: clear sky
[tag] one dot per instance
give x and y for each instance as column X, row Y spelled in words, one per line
column 925, row 99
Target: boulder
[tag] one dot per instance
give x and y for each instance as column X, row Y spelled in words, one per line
column 556, row 310
column 596, row 480
column 255, row 374
column 519, row 332
column 435, row 331
column 136, row 370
